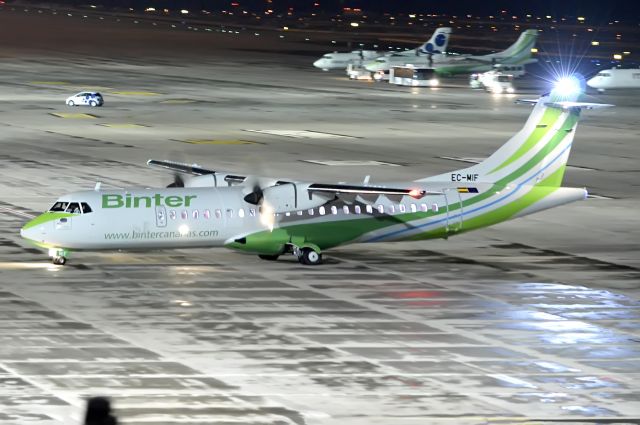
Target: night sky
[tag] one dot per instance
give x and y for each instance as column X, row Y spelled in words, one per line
column 594, row 10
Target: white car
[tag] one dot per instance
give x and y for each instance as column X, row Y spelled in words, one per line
column 86, row 98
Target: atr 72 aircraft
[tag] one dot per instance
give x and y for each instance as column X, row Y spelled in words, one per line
column 519, row 53
column 434, row 46
column 271, row 217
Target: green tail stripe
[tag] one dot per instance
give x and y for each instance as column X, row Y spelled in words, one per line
column 549, row 118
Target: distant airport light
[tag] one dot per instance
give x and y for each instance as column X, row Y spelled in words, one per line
column 617, row 56
column 626, row 53
column 285, row 28
column 184, row 11
column 355, row 24
column 548, row 16
column 150, row 9
column 595, row 43
column 567, row 86
column 581, row 18
column 93, row 6
column 413, row 15
column 534, row 50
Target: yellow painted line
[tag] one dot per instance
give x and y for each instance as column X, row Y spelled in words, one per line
column 49, row 83
column 73, row 115
column 123, row 125
column 218, row 142
column 178, row 101
column 135, row 93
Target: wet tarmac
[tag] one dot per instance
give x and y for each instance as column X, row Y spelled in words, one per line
column 533, row 321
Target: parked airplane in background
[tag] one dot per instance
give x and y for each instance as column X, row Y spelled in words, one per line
column 518, row 53
column 434, row 46
column 271, row 217
column 337, row 60
column 616, row 78
column 429, row 53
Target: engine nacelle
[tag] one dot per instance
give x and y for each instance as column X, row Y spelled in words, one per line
column 290, row 197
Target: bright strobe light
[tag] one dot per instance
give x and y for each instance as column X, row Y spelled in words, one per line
column 568, row 86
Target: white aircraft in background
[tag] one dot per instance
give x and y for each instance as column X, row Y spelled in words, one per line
column 519, row 53
column 337, row 60
column 271, row 217
column 435, row 45
column 616, row 78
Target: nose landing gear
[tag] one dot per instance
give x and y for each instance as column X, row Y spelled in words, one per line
column 58, row 256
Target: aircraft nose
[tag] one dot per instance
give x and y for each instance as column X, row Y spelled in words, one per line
column 318, row 63
column 591, row 82
column 34, row 229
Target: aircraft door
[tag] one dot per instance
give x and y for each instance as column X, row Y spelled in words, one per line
column 452, row 198
column 161, row 216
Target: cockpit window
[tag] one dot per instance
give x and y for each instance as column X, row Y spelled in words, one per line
column 604, row 74
column 328, row 56
column 59, row 206
column 73, row 208
column 381, row 60
column 85, row 208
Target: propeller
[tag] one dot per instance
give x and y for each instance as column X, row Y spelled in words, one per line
column 178, row 181
column 256, row 195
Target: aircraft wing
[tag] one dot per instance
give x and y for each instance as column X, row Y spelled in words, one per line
column 193, row 169
column 348, row 189
column 335, row 189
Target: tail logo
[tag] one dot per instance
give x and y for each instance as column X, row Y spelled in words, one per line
column 439, row 40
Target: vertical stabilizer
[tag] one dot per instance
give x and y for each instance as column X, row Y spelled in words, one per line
column 437, row 43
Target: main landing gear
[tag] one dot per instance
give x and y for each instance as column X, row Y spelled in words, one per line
column 309, row 256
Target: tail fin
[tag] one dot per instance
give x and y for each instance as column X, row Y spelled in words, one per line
column 438, row 41
column 520, row 51
column 540, row 150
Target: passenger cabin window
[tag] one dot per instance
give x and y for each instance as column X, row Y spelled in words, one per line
column 195, row 214
column 310, row 211
column 402, row 208
column 357, row 209
column 86, row 209
column 59, row 206
column 252, row 212
column 184, row 214
column 414, row 208
column 172, row 214
column 73, row 208
column 321, row 211
column 207, row 214
column 369, row 209
column 218, row 214
column 345, row 209
column 229, row 213
column 334, row 210
column 241, row 213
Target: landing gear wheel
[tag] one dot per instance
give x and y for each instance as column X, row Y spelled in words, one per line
column 310, row 257
column 268, row 257
column 59, row 260
column 71, row 103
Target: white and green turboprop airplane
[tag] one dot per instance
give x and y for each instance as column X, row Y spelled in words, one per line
column 271, row 217
column 519, row 53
